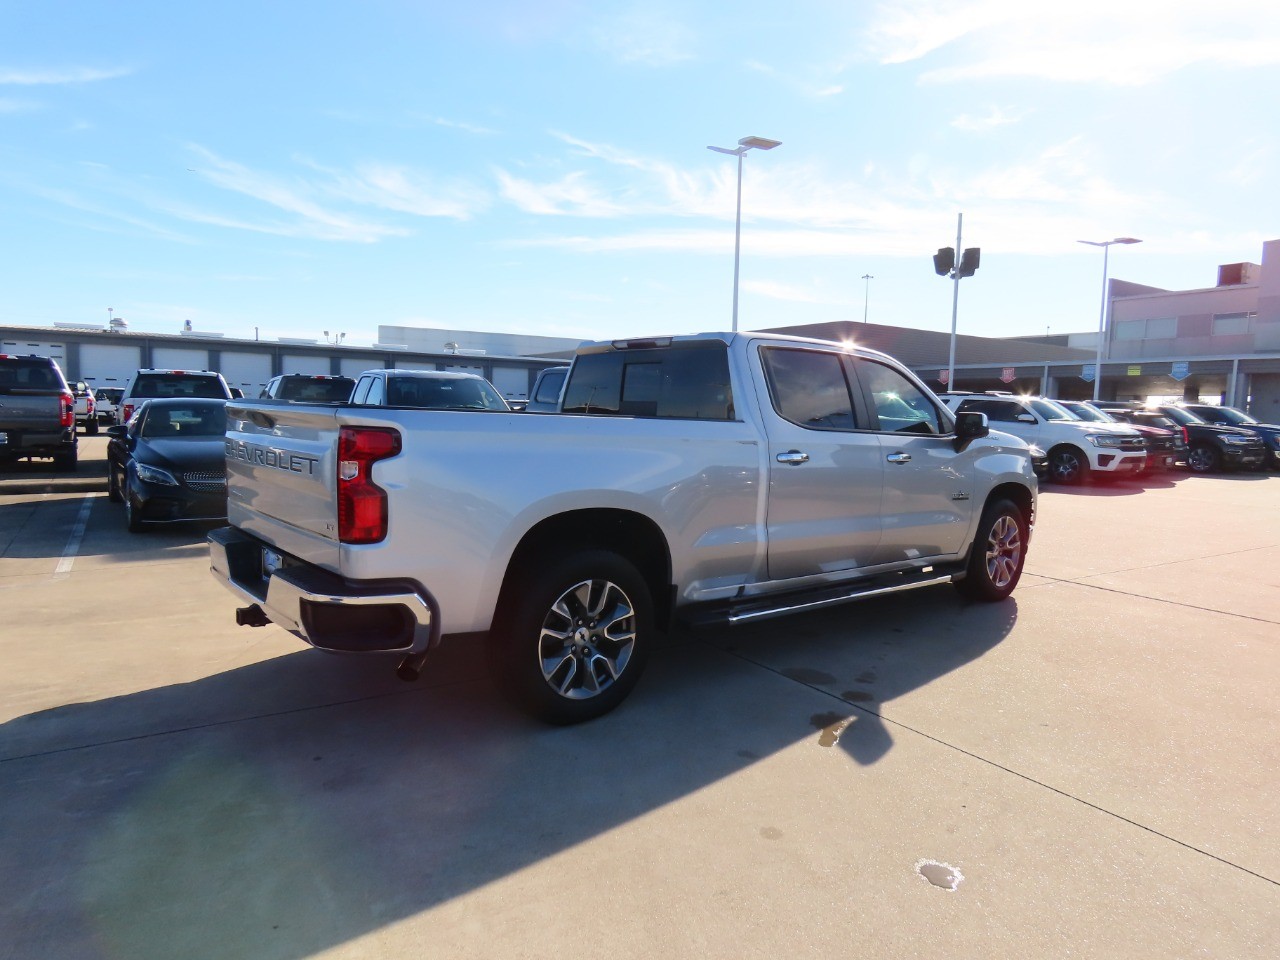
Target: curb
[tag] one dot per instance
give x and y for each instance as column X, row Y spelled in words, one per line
column 59, row 485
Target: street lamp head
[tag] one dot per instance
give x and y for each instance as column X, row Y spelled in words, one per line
column 733, row 153
column 1107, row 243
column 759, row 143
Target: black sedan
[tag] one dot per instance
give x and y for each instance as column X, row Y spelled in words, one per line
column 168, row 462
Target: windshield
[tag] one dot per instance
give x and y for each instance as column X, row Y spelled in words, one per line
column 1229, row 415
column 316, row 389
column 1092, row 414
column 1178, row 415
column 184, row 420
column 1050, row 410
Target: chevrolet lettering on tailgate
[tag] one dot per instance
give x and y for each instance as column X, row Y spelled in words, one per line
column 267, row 457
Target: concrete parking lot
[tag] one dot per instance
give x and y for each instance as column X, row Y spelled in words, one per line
column 1093, row 764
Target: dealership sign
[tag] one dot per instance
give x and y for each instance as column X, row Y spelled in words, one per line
column 1086, row 373
column 1180, row 370
column 1007, row 375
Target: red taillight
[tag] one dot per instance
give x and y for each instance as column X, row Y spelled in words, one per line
column 128, row 412
column 1186, row 437
column 68, row 416
column 362, row 504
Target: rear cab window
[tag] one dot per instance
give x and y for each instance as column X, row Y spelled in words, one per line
column 18, row 374
column 683, row 380
column 149, row 386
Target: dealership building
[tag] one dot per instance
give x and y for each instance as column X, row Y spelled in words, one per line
column 1218, row 343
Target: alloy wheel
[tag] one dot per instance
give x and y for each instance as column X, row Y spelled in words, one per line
column 586, row 639
column 1004, row 551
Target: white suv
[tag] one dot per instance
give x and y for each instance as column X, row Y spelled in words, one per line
column 150, row 384
column 1074, row 448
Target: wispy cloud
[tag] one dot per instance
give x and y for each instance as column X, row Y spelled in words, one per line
column 791, row 293
column 1087, row 41
column 806, row 88
column 12, row 105
column 314, row 206
column 994, row 117
column 48, row 77
column 646, row 35
column 103, row 212
column 571, row 195
column 463, row 126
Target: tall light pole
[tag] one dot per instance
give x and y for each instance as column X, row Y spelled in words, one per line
column 1102, row 310
column 745, row 144
column 866, row 297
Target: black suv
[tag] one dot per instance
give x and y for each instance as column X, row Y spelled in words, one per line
column 308, row 389
column 37, row 411
column 1268, row 433
column 1210, row 447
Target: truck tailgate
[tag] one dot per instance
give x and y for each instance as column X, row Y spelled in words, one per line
column 30, row 409
column 282, row 477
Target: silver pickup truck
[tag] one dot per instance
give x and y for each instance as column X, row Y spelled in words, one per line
column 716, row 478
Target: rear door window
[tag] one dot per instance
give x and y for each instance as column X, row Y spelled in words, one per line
column 809, row 388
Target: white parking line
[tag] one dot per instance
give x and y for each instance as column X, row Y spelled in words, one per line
column 73, row 544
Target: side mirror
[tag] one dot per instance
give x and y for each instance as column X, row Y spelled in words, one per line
column 117, row 431
column 1025, row 418
column 970, row 425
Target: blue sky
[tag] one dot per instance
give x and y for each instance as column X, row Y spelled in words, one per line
column 541, row 167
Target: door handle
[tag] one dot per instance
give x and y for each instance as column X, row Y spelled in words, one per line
column 899, row 457
column 793, row 457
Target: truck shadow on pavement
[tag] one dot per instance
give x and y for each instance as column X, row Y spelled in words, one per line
column 283, row 808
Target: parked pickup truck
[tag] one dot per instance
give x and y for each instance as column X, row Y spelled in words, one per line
column 37, row 412
column 716, row 478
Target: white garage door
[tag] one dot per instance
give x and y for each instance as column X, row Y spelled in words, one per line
column 109, row 364
column 311, row 364
column 41, row 348
column 179, row 358
column 353, row 367
column 477, row 369
column 415, row 364
column 512, row 382
column 248, row 371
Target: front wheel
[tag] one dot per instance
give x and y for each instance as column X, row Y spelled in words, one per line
column 998, row 553
column 1202, row 458
column 1067, row 465
column 571, row 643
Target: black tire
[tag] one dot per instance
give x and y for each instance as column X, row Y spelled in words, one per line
column 113, row 483
column 130, row 511
column 1068, row 465
column 91, row 427
column 998, row 554
column 66, row 462
column 1203, row 458
column 570, row 643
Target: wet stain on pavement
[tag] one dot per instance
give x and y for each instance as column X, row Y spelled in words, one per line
column 940, row 874
column 831, row 726
column 805, row 675
column 866, row 676
column 856, row 696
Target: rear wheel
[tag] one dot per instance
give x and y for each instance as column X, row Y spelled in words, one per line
column 1203, row 458
column 91, row 426
column 998, row 553
column 66, row 462
column 1067, row 465
column 571, row 643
